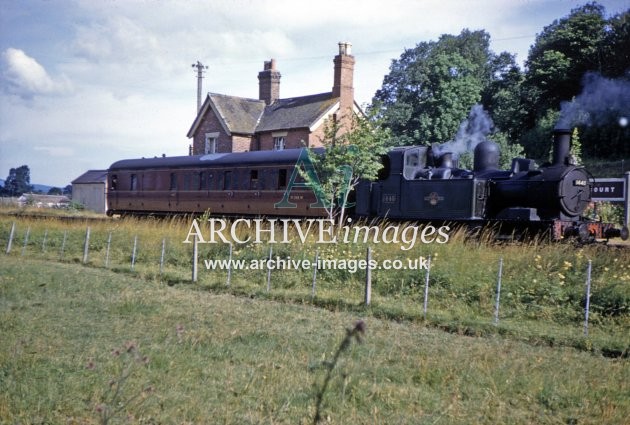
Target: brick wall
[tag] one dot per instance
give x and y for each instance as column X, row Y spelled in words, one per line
column 210, row 124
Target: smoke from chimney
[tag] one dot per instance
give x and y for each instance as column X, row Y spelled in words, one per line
column 472, row 131
column 601, row 100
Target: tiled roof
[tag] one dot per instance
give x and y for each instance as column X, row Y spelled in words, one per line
column 297, row 112
column 249, row 116
column 239, row 114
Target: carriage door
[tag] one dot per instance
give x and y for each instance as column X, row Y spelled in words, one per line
column 112, row 195
column 173, row 196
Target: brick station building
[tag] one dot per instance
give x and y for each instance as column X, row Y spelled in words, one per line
column 227, row 123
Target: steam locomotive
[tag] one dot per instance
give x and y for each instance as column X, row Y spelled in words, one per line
column 414, row 184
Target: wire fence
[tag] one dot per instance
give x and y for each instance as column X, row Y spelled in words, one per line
column 170, row 262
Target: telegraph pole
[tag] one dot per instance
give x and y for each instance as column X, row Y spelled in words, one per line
column 200, row 69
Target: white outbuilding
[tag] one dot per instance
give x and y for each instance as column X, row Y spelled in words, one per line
column 90, row 189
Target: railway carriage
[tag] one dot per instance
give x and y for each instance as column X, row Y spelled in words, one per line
column 222, row 183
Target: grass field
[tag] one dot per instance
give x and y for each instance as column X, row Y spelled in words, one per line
column 74, row 335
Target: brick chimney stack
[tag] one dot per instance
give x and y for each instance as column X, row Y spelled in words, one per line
column 343, row 87
column 269, row 83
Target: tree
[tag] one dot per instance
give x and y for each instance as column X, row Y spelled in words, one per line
column 616, row 48
column 563, row 53
column 348, row 158
column 431, row 88
column 55, row 191
column 18, row 182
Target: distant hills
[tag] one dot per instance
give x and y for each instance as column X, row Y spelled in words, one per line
column 36, row 187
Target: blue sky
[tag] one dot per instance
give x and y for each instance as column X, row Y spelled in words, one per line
column 87, row 82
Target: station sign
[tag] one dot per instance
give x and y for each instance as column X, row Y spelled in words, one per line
column 608, row 190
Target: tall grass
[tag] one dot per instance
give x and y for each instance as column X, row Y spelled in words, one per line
column 543, row 285
column 71, row 335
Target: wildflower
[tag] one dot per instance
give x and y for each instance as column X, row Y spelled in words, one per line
column 560, row 276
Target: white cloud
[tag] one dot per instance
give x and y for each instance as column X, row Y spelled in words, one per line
column 29, row 77
column 55, row 151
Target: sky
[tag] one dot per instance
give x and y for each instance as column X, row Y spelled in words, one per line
column 85, row 83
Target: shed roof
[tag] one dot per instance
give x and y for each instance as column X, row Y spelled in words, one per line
column 91, row 176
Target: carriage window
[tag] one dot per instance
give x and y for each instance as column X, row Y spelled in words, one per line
column 187, row 180
column 253, row 179
column 201, row 181
column 148, row 181
column 133, row 183
column 210, row 181
column 282, row 178
column 227, row 180
column 173, row 184
column 114, row 182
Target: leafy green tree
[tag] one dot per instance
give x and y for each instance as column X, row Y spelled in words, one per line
column 431, row 88
column 348, row 158
column 18, row 182
column 55, row 191
column 616, row 46
column 567, row 61
column 508, row 150
column 563, row 52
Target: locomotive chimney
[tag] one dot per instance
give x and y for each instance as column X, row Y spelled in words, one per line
column 561, row 146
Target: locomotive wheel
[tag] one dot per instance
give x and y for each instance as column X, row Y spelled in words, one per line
column 584, row 234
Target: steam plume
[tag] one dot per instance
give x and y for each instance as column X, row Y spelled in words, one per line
column 472, row 131
column 602, row 100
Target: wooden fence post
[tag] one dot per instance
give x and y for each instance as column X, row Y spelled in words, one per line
column 10, row 238
column 86, row 245
column 426, row 288
column 162, row 255
column 133, row 254
column 269, row 269
column 63, row 244
column 194, row 260
column 28, row 232
column 44, row 241
column 496, row 305
column 229, row 273
column 109, row 242
column 368, row 277
column 314, row 274
column 588, row 297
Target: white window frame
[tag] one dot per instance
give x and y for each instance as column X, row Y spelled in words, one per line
column 210, row 143
column 278, row 143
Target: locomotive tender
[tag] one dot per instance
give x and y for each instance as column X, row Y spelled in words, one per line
column 413, row 185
